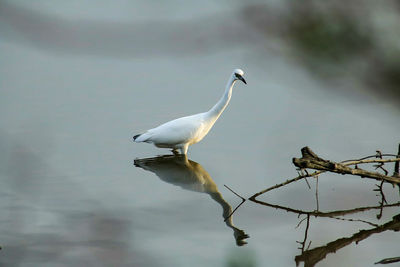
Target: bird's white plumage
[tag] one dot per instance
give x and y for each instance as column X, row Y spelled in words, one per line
column 173, row 133
column 185, row 131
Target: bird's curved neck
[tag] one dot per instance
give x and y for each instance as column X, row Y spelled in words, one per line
column 218, row 108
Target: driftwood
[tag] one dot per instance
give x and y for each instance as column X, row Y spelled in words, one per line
column 310, row 160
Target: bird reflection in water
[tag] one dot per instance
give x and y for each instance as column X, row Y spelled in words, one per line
column 190, row 175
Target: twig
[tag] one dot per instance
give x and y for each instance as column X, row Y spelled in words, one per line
column 253, row 197
column 353, row 162
column 368, row 157
column 354, row 220
column 316, row 192
column 396, row 172
column 309, row 244
column 308, row 184
column 380, row 190
column 303, row 243
column 383, row 199
column 302, row 220
column 230, row 215
column 324, row 214
column 235, row 192
column 243, row 200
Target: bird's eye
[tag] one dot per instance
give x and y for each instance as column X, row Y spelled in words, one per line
column 237, row 75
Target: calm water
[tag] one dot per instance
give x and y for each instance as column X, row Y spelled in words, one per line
column 71, row 195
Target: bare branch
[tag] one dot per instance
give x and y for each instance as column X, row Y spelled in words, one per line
column 303, row 243
column 371, row 156
column 285, row 183
column 364, row 161
column 302, row 220
column 334, row 213
column 235, row 193
column 308, row 184
column 383, row 199
column 314, row 162
column 396, row 172
column 230, row 215
column 316, row 192
column 243, row 200
column 355, row 220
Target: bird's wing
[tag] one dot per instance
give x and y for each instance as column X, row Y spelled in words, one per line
column 177, row 131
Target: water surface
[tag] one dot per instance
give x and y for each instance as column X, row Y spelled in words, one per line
column 71, row 194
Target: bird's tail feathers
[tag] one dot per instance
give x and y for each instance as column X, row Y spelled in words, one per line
column 143, row 137
column 136, row 136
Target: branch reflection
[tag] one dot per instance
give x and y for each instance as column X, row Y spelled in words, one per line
column 190, row 175
column 310, row 257
column 313, row 256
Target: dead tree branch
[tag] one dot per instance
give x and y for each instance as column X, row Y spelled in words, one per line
column 334, row 213
column 396, row 172
column 253, row 197
column 243, row 200
column 303, row 243
column 310, row 160
column 313, row 161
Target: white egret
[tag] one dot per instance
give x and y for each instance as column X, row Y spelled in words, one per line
column 180, row 133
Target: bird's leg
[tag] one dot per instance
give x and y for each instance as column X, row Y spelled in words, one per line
column 184, row 149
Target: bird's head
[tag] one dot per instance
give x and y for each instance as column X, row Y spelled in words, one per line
column 238, row 75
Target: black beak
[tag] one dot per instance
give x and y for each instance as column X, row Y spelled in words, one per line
column 242, row 79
